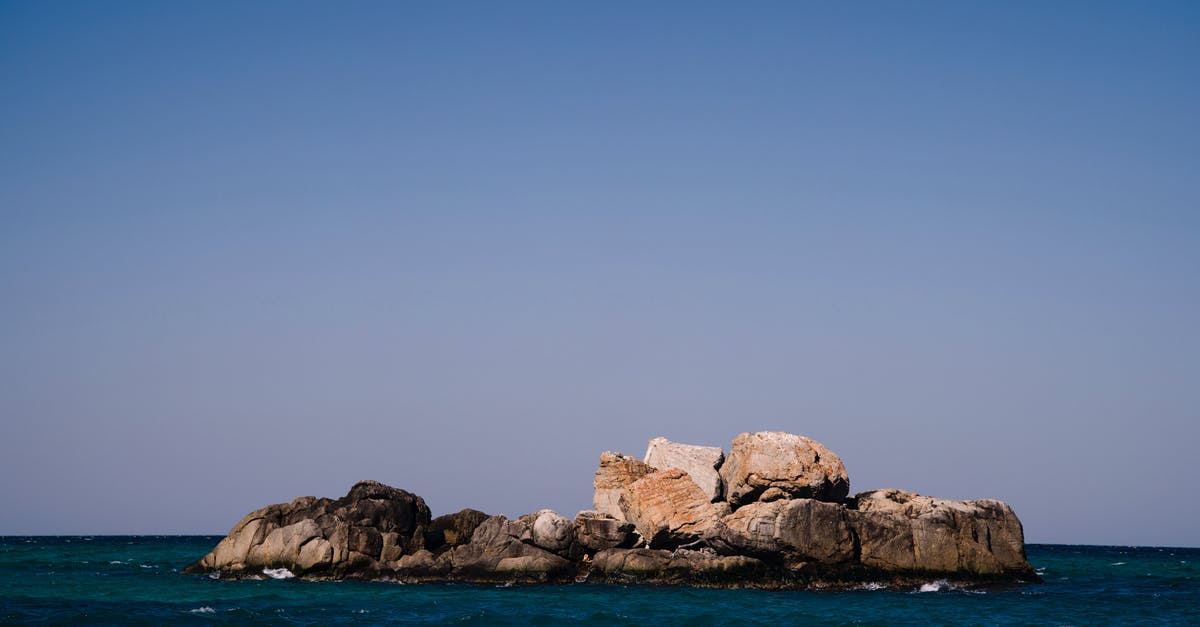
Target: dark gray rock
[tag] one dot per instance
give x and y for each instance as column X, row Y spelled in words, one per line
column 324, row 537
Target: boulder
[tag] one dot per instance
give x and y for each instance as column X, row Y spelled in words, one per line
column 669, row 509
column 324, row 537
column 800, row 530
column 550, row 531
column 454, row 529
column 774, row 466
column 904, row 531
column 699, row 462
column 615, row 473
column 595, row 531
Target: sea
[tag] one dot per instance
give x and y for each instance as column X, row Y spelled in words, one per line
column 136, row 580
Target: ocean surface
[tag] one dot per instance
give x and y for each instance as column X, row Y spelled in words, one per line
column 135, row 580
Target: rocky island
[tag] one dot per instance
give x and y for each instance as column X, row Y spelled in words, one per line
column 774, row 513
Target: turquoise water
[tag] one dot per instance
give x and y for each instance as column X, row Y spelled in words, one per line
column 134, row 579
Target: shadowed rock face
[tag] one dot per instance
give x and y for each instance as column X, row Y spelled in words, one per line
column 453, row 529
column 358, row 533
column 667, row 531
column 502, row 550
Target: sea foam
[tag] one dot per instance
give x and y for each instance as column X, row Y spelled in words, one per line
column 278, row 573
column 934, row 586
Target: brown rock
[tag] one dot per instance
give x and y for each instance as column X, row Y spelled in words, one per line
column 903, row 531
column 781, row 465
column 800, row 529
column 669, row 509
column 615, row 473
column 595, row 532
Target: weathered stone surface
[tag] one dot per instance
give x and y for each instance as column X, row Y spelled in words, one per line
column 798, row 529
column 323, row 537
column 669, row 509
column 595, row 531
column 454, row 529
column 615, row 473
column 680, row 566
column 699, row 462
column 778, row 466
column 550, row 531
column 503, row 550
column 768, row 537
column 422, row 565
column 903, row 531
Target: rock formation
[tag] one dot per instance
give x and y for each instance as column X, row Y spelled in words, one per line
column 596, row 532
column 616, row 471
column 699, row 462
column 900, row 530
column 797, row 530
column 669, row 509
column 769, row 465
column 786, row 523
column 357, row 534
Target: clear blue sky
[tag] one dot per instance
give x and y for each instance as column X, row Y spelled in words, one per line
column 254, row 250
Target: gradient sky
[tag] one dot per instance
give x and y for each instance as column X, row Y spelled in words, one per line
column 255, row 250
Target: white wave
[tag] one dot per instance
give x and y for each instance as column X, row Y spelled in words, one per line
column 214, row 575
column 872, row 586
column 933, row 586
column 278, row 573
column 116, row 562
column 203, row 610
column 1117, row 564
column 147, row 566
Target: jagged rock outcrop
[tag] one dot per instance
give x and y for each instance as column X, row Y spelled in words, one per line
column 900, row 530
column 667, row 530
column 770, row 466
column 360, row 533
column 699, row 462
column 501, row 550
column 669, row 509
column 615, row 473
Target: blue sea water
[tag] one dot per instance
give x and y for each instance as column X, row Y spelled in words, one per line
column 135, row 580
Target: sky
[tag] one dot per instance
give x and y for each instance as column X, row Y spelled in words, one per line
column 256, row 250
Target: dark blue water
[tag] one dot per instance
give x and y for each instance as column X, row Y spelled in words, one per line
column 118, row 579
